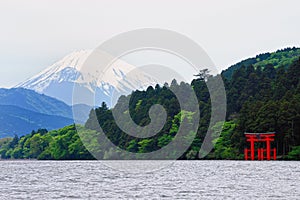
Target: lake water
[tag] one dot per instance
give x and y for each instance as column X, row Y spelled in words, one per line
column 181, row 180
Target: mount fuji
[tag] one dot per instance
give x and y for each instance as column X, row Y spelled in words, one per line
column 59, row 80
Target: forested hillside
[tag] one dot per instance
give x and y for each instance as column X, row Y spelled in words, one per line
column 62, row 144
column 262, row 96
column 281, row 58
column 260, row 99
column 265, row 100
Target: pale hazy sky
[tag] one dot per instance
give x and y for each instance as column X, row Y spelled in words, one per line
column 36, row 33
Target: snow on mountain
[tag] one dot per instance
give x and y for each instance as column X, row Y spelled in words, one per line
column 59, row 79
column 64, row 70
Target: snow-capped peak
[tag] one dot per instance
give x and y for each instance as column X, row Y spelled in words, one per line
column 74, row 60
column 58, row 79
column 65, row 69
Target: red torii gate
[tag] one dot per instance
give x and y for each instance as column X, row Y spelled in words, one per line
column 260, row 137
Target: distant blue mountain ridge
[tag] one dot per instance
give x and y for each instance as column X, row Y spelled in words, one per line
column 33, row 101
column 19, row 121
column 23, row 110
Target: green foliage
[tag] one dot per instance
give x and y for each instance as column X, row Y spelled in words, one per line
column 146, row 145
column 281, row 58
column 223, row 148
column 294, row 154
column 57, row 145
column 164, row 140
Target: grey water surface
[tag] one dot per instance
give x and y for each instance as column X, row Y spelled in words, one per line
column 180, row 180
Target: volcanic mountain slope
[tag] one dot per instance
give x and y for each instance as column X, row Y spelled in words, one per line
column 59, row 79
